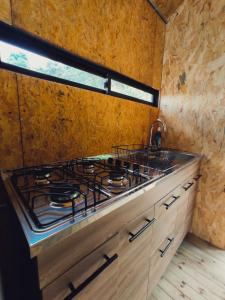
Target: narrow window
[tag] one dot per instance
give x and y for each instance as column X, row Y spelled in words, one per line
column 25, row 59
column 27, row 54
column 130, row 91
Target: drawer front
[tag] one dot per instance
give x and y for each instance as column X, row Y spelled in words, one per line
column 136, row 238
column 167, row 204
column 139, row 228
column 95, row 277
column 159, row 261
column 58, row 259
column 191, row 201
column 181, row 211
column 165, row 215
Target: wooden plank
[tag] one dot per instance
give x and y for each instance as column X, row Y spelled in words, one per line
column 214, row 270
column 178, row 281
column 190, row 280
column 172, row 290
column 188, row 266
column 203, row 255
column 160, row 294
column 207, row 248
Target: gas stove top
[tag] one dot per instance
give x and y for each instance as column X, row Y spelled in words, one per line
column 53, row 194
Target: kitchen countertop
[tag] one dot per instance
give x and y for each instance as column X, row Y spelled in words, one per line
column 39, row 241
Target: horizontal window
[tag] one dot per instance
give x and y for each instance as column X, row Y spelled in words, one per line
column 125, row 89
column 28, row 60
column 25, row 53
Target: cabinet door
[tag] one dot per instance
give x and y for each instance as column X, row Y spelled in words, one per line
column 190, row 190
column 165, row 215
column 95, row 277
column 159, row 261
column 135, row 244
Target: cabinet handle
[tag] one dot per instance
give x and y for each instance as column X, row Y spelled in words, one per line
column 167, row 205
column 83, row 285
column 163, row 252
column 197, row 177
column 188, row 187
column 139, row 232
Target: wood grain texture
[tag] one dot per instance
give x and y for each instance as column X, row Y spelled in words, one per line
column 10, row 138
column 193, row 104
column 60, row 122
column 5, row 11
column 10, row 141
column 168, row 7
column 195, row 273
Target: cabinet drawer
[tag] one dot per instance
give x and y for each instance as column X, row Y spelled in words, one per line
column 136, row 238
column 181, row 211
column 167, row 204
column 159, row 261
column 95, row 277
column 165, row 215
column 140, row 227
column 190, row 184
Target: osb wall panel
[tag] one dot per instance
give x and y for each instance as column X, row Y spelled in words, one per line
column 158, row 53
column 168, row 7
column 60, row 122
column 5, row 11
column 193, row 104
column 104, row 31
column 10, row 139
column 10, row 142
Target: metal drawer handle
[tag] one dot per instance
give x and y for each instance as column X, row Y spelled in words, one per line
column 197, row 177
column 167, row 205
column 139, row 232
column 93, row 276
column 188, row 187
column 163, row 252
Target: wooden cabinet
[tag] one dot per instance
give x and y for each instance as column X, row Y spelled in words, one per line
column 160, row 260
column 135, row 245
column 165, row 215
column 124, row 254
column 94, row 277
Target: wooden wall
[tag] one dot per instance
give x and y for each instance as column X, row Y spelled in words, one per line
column 60, row 122
column 193, row 104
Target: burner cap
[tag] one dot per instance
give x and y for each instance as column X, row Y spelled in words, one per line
column 117, row 175
column 117, row 179
column 88, row 165
column 41, row 175
column 62, row 193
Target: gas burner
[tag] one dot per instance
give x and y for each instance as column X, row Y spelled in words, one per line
column 64, row 194
column 42, row 175
column 87, row 166
column 117, row 178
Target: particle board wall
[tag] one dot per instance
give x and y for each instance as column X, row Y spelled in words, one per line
column 10, row 139
column 61, row 122
column 193, row 104
column 168, row 7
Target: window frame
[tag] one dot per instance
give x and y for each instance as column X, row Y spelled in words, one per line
column 23, row 39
